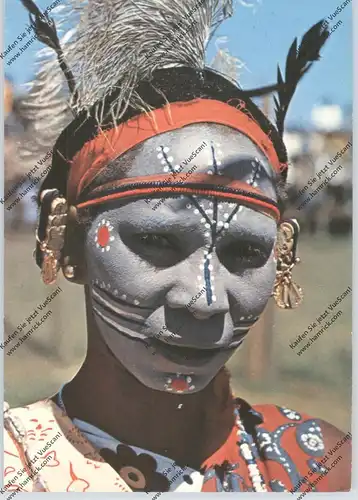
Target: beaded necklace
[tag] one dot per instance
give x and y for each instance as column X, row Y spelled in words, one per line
column 244, row 439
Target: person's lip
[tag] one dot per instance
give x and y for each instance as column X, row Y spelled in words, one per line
column 187, row 355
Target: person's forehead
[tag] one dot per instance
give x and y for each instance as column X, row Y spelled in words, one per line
column 194, row 144
column 198, row 148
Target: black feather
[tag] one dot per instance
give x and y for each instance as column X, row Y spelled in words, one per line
column 298, row 62
column 45, row 30
column 31, row 7
column 43, row 26
column 260, row 91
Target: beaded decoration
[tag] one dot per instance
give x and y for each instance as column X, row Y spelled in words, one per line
column 244, row 441
column 210, row 216
column 107, row 288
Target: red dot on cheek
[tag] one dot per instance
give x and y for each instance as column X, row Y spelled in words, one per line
column 103, row 236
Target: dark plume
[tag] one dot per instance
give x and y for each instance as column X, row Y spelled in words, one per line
column 45, row 30
column 299, row 60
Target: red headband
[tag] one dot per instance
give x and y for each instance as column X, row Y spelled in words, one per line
column 97, row 153
column 199, row 184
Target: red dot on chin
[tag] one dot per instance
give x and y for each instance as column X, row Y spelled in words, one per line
column 180, row 385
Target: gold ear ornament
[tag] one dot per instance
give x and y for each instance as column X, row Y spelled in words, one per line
column 51, row 247
column 287, row 294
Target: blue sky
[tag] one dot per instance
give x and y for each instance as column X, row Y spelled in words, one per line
column 260, row 38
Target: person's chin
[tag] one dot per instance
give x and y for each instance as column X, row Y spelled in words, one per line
column 163, row 371
column 175, row 378
column 162, row 383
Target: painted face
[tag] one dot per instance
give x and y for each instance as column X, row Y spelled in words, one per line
column 177, row 283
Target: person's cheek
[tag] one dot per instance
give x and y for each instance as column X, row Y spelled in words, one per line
column 252, row 291
column 263, row 284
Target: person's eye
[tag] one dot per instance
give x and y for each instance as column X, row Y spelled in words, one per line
column 243, row 254
column 249, row 253
column 160, row 250
column 156, row 241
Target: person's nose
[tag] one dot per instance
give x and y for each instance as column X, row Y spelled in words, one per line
column 200, row 287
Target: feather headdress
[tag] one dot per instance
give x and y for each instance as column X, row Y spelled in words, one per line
column 111, row 44
column 115, row 44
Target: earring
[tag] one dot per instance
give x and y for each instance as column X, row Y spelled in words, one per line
column 286, row 292
column 53, row 242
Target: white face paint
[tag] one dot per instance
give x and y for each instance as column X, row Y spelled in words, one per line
column 176, row 285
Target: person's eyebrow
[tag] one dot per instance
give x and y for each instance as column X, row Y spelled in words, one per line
column 243, row 232
column 244, row 165
column 161, row 223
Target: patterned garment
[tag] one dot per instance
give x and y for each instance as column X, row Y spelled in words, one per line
column 286, row 446
column 141, row 469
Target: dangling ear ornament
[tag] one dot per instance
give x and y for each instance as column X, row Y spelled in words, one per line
column 286, row 292
column 53, row 242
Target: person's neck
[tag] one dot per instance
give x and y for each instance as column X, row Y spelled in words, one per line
column 186, row 428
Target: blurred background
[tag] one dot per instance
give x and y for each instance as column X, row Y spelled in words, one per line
column 319, row 125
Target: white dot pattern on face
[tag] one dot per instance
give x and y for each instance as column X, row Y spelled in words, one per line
column 207, row 208
column 225, row 218
column 209, row 212
column 255, row 176
column 221, row 223
column 107, row 286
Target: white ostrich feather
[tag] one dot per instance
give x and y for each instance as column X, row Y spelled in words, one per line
column 121, row 42
column 111, row 44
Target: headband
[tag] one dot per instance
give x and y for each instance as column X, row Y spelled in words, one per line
column 108, row 145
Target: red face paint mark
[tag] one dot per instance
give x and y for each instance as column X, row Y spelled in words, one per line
column 103, row 236
column 180, row 385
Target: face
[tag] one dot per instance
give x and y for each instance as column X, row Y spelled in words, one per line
column 176, row 283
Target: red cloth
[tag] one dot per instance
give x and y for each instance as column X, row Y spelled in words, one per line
column 289, row 443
